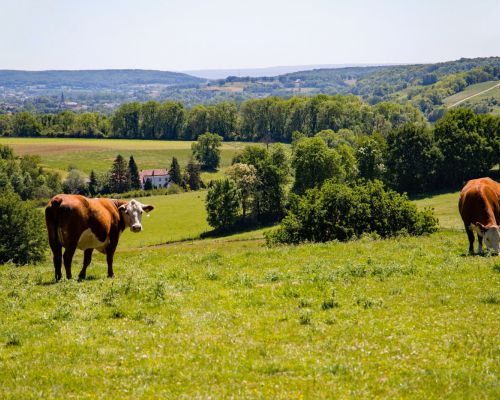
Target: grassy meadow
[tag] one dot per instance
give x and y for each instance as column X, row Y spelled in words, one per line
column 98, row 154
column 228, row 317
column 409, row 317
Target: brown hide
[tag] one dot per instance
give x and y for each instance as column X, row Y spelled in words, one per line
column 480, row 202
column 479, row 207
column 68, row 216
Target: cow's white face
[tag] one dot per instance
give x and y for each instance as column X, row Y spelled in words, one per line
column 492, row 239
column 491, row 236
column 132, row 214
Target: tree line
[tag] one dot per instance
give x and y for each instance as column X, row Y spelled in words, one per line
column 267, row 119
column 411, row 158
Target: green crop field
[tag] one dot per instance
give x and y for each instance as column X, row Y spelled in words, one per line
column 472, row 90
column 231, row 318
column 98, row 154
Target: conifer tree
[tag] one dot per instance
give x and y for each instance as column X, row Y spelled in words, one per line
column 133, row 170
column 119, row 180
column 93, row 185
column 175, row 172
column 193, row 175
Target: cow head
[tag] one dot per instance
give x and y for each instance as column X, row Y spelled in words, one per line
column 491, row 236
column 132, row 214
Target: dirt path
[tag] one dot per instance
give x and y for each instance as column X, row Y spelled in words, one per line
column 474, row 95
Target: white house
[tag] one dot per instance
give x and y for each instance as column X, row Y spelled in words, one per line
column 159, row 177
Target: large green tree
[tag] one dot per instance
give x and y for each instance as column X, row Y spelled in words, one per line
column 26, row 124
column 413, row 159
column 314, row 163
column 207, row 150
column 468, row 144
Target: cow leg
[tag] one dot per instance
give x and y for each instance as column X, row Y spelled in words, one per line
column 68, row 257
column 110, row 252
column 57, row 259
column 470, row 235
column 480, row 245
column 87, row 258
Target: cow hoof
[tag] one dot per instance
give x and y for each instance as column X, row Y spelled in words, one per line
column 111, row 276
column 58, row 278
column 81, row 277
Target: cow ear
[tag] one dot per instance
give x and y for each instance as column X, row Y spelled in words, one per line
column 122, row 208
column 481, row 227
column 147, row 208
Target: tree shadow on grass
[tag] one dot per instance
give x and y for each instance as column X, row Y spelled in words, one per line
column 239, row 227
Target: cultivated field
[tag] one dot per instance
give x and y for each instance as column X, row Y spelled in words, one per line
column 476, row 91
column 98, row 154
column 231, row 318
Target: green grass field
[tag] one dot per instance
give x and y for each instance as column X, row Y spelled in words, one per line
column 410, row 317
column 231, row 318
column 98, row 154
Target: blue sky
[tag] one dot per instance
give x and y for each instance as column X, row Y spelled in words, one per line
column 195, row 34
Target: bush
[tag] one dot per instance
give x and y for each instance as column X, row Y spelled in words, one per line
column 342, row 212
column 22, row 230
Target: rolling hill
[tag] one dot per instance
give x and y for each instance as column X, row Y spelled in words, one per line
column 93, row 79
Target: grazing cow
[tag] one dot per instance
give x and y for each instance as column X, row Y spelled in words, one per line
column 479, row 207
column 75, row 221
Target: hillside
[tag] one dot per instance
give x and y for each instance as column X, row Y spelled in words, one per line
column 481, row 97
column 93, row 79
column 423, row 85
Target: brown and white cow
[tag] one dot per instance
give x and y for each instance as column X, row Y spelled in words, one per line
column 75, row 221
column 479, row 207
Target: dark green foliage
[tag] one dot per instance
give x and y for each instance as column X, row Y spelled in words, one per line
column 370, row 156
column 22, row 230
column 175, row 172
column 469, row 144
column 75, row 182
column 93, row 185
column 25, row 124
column 6, row 152
column 193, row 178
column 314, row 163
column 268, row 192
column 148, row 185
column 26, row 177
column 119, row 178
column 133, row 171
column 222, row 204
column 207, row 150
column 342, row 212
column 413, row 159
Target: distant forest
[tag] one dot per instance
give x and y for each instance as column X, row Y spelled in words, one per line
column 424, row 86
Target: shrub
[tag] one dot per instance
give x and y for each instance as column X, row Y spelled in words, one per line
column 342, row 212
column 22, row 230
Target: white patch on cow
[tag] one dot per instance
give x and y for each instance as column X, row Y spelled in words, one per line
column 132, row 214
column 90, row 241
column 492, row 239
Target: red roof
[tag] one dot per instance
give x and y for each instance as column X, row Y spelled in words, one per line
column 153, row 172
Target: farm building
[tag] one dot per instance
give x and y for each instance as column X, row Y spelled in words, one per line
column 158, row 177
